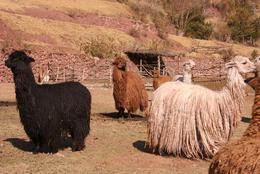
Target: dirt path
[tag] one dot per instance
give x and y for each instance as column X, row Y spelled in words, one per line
column 114, row 146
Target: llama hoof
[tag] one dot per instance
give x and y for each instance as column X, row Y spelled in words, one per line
column 77, row 148
column 129, row 116
column 36, row 149
column 161, row 152
column 60, row 155
column 121, row 118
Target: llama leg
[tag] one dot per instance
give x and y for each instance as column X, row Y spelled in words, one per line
column 55, row 139
column 36, row 142
column 44, row 148
column 51, row 140
column 54, row 145
column 121, row 112
column 51, row 145
column 129, row 115
column 79, row 132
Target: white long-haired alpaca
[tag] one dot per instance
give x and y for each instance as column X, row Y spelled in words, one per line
column 193, row 121
column 187, row 72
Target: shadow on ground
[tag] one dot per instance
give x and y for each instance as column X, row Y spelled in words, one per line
column 141, row 146
column 21, row 144
column 245, row 119
column 114, row 115
column 7, row 103
column 28, row 146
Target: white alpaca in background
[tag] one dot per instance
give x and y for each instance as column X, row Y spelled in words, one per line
column 187, row 72
column 46, row 77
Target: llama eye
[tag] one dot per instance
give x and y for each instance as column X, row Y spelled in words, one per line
column 244, row 63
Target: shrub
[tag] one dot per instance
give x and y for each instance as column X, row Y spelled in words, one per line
column 105, row 47
column 196, row 26
column 254, row 54
column 221, row 32
column 156, row 45
column 227, row 54
column 178, row 11
column 122, row 1
column 243, row 23
column 147, row 11
column 135, row 32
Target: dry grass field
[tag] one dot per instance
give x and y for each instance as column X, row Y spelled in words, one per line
column 113, row 146
column 67, row 34
column 102, row 7
column 66, row 24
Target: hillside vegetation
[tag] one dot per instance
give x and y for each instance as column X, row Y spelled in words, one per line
column 118, row 25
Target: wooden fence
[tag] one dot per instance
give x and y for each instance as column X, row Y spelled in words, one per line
column 73, row 73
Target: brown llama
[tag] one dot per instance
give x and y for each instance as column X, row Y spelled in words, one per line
column 186, row 77
column 129, row 89
column 242, row 156
column 158, row 79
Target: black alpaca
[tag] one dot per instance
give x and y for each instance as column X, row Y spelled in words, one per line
column 49, row 111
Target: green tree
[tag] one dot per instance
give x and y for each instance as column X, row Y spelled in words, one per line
column 196, row 26
column 243, row 23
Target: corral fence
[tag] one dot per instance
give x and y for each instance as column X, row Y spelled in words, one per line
column 213, row 76
column 59, row 74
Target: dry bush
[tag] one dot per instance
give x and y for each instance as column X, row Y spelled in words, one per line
column 10, row 43
column 147, row 11
column 254, row 54
column 135, row 32
column 122, row 1
column 179, row 11
column 227, row 54
column 162, row 23
column 102, row 47
column 221, row 32
column 157, row 45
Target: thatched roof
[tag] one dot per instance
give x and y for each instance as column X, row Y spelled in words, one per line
column 150, row 53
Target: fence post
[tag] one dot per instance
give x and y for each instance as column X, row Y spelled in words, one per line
column 83, row 74
column 57, row 75
column 110, row 77
column 141, row 66
column 159, row 65
column 178, row 64
column 64, row 74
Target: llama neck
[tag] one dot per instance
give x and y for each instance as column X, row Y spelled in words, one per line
column 235, row 87
column 24, row 85
column 119, row 78
column 253, row 129
column 187, row 77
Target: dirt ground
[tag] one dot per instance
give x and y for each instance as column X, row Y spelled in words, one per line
column 113, row 146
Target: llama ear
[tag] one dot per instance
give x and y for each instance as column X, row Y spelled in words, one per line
column 230, row 64
column 29, row 59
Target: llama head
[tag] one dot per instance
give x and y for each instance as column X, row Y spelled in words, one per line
column 188, row 65
column 156, row 73
column 243, row 65
column 120, row 63
column 18, row 60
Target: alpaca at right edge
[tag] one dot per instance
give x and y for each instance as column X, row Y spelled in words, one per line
column 242, row 156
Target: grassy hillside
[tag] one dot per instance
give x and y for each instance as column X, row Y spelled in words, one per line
column 90, row 6
column 62, row 33
column 68, row 24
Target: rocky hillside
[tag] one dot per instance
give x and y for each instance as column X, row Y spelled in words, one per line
column 103, row 28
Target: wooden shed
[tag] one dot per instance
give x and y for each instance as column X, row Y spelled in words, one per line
column 149, row 60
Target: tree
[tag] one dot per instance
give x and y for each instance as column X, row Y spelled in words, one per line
column 243, row 23
column 196, row 26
